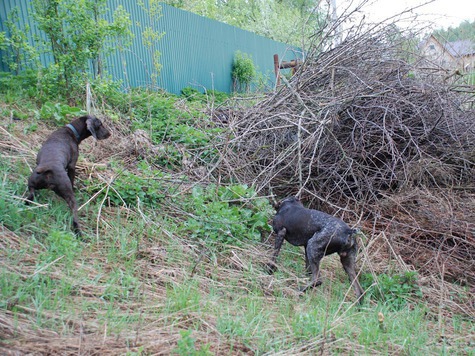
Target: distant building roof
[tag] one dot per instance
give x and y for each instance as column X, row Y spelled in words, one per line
column 460, row 48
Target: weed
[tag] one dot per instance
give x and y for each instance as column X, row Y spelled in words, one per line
column 230, row 215
column 394, row 291
column 186, row 346
column 61, row 245
column 182, row 297
column 192, row 94
column 18, row 86
column 61, row 113
column 131, row 189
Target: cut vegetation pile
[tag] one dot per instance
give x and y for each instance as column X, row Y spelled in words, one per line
column 369, row 127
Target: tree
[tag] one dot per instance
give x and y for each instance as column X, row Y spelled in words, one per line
column 288, row 21
column 77, row 33
column 464, row 31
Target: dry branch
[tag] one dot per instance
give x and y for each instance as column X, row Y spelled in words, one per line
column 362, row 122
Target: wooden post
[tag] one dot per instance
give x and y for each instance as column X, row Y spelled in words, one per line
column 276, row 69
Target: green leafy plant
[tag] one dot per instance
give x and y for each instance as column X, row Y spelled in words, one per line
column 166, row 124
column 243, row 72
column 218, row 96
column 392, row 290
column 61, row 113
column 191, row 94
column 19, row 86
column 61, row 245
column 227, row 214
column 130, row 189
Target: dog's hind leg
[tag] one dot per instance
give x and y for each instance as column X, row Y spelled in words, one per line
column 65, row 190
column 348, row 260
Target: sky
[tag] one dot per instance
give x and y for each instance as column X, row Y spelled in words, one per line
column 441, row 13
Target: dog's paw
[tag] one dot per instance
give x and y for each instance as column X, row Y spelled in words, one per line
column 309, row 286
column 271, row 267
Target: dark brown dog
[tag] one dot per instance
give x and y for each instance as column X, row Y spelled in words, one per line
column 56, row 161
column 321, row 235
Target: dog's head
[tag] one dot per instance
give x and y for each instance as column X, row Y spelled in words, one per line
column 293, row 200
column 96, row 128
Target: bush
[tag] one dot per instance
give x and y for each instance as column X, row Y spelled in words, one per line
column 243, row 71
column 21, row 85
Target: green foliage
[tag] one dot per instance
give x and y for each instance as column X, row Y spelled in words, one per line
column 61, row 245
column 243, row 71
column 19, row 86
column 19, row 53
column 219, row 97
column 166, row 125
column 464, row 31
column 231, row 215
column 394, row 291
column 61, row 113
column 151, row 36
column 77, row 34
column 193, row 94
column 186, row 346
column 275, row 19
column 306, row 325
column 3, row 41
column 131, row 189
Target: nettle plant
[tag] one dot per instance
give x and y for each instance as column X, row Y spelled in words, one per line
column 229, row 215
column 392, row 290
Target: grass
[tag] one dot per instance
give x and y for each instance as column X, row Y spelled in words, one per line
column 177, row 273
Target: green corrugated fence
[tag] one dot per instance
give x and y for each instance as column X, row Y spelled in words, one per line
column 195, row 51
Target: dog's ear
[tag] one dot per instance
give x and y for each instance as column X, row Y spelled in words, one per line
column 91, row 126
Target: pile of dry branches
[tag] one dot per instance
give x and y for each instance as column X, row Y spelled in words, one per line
column 360, row 126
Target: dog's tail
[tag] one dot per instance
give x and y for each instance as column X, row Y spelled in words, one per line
column 351, row 242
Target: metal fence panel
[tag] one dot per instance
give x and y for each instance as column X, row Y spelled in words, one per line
column 195, row 51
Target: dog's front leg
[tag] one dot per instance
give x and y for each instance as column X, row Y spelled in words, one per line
column 279, row 240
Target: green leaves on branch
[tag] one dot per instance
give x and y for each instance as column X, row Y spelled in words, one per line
column 19, row 52
column 78, row 34
column 243, row 72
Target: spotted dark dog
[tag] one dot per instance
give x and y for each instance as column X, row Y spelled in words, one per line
column 321, row 235
column 56, row 161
